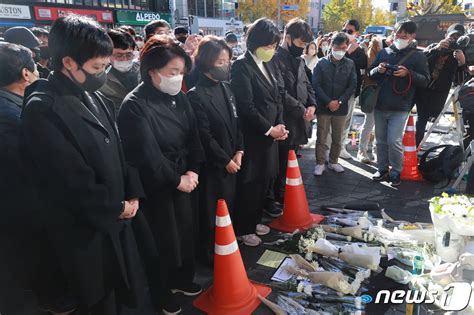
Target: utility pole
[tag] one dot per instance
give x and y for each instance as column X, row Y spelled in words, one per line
column 279, row 15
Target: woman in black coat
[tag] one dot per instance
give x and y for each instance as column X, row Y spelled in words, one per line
column 161, row 139
column 259, row 106
column 219, row 129
column 87, row 193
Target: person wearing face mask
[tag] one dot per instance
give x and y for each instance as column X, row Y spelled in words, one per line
column 44, row 53
column 181, row 34
column 20, row 35
column 323, row 46
column 17, row 230
column 447, row 66
column 395, row 99
column 161, row 139
column 123, row 74
column 219, row 129
column 87, row 194
column 259, row 106
column 359, row 57
column 334, row 81
column 299, row 103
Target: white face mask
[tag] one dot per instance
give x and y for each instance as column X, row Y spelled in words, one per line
column 339, row 54
column 169, row 85
column 123, row 66
column 324, row 48
column 140, row 44
column 351, row 37
column 401, row 43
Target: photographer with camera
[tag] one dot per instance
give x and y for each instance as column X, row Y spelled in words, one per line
column 446, row 62
column 398, row 70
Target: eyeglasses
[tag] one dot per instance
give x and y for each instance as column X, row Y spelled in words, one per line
column 350, row 32
column 122, row 57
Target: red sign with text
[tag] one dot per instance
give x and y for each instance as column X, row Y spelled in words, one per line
column 51, row 14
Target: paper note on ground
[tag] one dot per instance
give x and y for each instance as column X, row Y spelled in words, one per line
column 271, row 259
column 282, row 275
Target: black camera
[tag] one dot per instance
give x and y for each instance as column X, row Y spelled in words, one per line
column 461, row 43
column 390, row 69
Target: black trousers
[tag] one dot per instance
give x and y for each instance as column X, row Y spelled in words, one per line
column 250, row 201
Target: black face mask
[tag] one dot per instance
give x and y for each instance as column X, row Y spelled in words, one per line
column 37, row 56
column 93, row 82
column 295, row 51
column 45, row 53
column 220, row 73
column 182, row 39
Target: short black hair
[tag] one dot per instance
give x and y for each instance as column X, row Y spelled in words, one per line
column 406, row 26
column 78, row 37
column 121, row 39
column 128, row 29
column 354, row 23
column 13, row 59
column 262, row 33
column 158, row 51
column 340, row 39
column 39, row 32
column 151, row 27
column 208, row 51
column 181, row 30
column 298, row 28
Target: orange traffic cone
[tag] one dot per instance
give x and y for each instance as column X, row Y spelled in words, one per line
column 232, row 293
column 296, row 213
column 410, row 164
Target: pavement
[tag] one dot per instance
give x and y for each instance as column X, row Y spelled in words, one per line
column 409, row 201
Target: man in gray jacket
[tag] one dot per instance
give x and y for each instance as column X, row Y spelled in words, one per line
column 334, row 81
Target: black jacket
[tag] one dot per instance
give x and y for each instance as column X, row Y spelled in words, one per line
column 161, row 140
column 297, row 95
column 360, row 61
column 334, row 81
column 259, row 106
column 221, row 137
column 389, row 99
column 77, row 164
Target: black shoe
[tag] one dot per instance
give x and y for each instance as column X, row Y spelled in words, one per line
column 191, row 289
column 62, row 305
column 381, row 176
column 272, row 210
column 395, row 180
column 171, row 307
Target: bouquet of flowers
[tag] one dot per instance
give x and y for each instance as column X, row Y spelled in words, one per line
column 453, row 219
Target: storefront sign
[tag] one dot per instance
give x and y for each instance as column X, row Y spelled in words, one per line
column 51, row 14
column 139, row 17
column 8, row 11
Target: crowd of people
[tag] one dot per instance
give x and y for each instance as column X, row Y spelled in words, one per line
column 116, row 147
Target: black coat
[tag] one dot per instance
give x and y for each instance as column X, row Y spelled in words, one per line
column 221, row 137
column 298, row 94
column 161, row 139
column 359, row 57
column 259, row 106
column 77, row 164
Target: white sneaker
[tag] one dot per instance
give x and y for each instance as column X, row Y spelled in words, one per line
column 262, row 230
column 319, row 169
column 336, row 167
column 250, row 240
column 344, row 154
column 363, row 157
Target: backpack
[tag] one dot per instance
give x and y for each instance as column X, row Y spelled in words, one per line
column 443, row 165
column 466, row 97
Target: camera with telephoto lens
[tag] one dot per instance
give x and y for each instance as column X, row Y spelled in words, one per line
column 461, row 44
column 390, row 68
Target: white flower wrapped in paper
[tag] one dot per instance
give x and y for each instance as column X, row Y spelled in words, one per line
column 334, row 280
column 366, row 257
column 324, row 247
